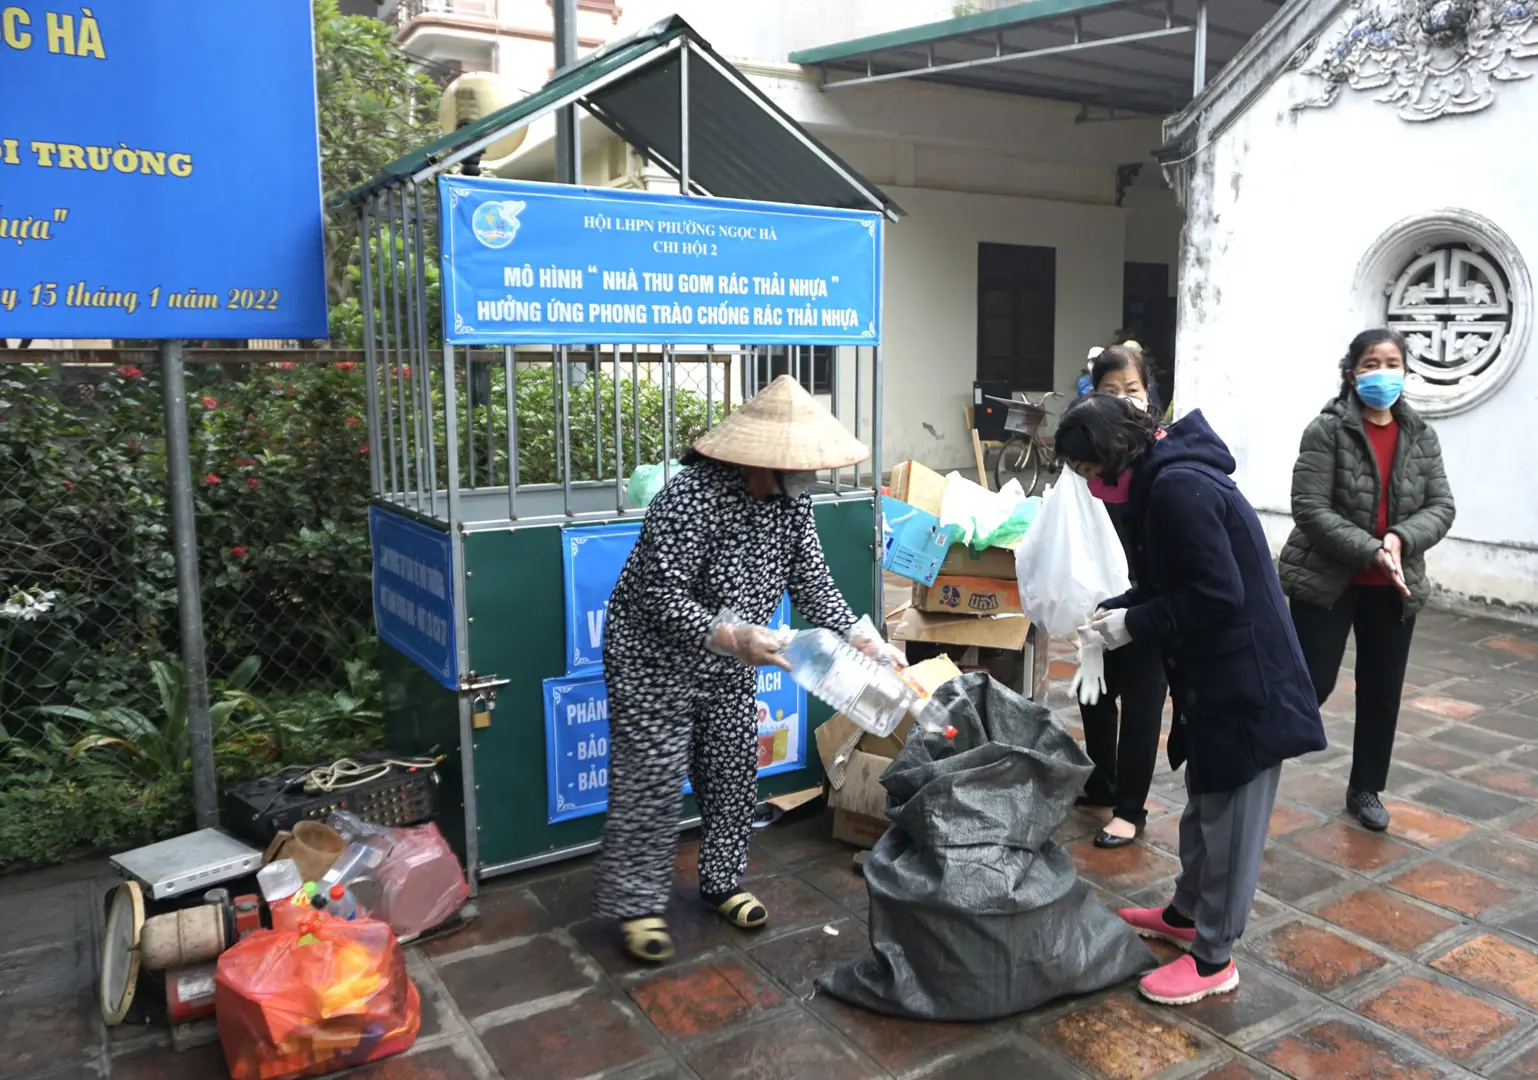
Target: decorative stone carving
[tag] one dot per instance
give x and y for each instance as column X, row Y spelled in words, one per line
column 1431, row 58
column 1455, row 285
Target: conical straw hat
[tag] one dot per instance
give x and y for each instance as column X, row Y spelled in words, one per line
column 783, row 427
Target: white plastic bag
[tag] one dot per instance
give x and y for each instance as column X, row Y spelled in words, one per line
column 1070, row 560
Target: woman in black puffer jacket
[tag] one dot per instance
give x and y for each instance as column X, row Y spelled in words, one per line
column 1369, row 497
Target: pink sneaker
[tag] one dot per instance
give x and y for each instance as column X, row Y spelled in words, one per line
column 1178, row 983
column 1149, row 923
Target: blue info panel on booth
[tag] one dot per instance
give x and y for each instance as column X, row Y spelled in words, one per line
column 554, row 265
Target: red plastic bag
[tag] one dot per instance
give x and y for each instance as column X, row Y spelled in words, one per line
column 313, row 1000
column 420, row 881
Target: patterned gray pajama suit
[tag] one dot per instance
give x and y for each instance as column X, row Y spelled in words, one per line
column 676, row 709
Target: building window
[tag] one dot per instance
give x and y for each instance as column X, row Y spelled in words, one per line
column 1456, row 287
column 812, row 365
column 1016, row 315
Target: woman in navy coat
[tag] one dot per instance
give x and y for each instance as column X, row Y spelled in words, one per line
column 1208, row 595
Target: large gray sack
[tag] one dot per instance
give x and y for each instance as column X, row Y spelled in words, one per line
column 975, row 912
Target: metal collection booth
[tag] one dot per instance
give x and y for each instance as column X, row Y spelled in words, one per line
column 586, row 332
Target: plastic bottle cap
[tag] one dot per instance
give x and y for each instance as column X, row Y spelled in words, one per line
column 336, row 892
column 310, row 888
column 950, row 731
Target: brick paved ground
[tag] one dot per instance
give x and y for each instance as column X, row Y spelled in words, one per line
column 1400, row 957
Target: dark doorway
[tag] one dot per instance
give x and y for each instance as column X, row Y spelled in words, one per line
column 1016, row 315
column 1148, row 314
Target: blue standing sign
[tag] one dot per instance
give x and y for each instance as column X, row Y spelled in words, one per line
column 554, row 264
column 414, row 592
column 159, row 171
column 593, row 560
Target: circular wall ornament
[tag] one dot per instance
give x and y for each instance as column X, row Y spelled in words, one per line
column 1456, row 287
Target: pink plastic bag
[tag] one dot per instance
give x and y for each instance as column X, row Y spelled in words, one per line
column 420, row 882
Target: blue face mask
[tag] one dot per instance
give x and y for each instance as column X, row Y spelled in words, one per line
column 1380, row 389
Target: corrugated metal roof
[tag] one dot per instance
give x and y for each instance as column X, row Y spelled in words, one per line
column 741, row 145
column 1132, row 55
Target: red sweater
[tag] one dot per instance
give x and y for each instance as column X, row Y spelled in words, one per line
column 1383, row 440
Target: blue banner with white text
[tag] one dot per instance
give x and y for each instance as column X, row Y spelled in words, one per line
column 414, row 592
column 553, row 264
column 593, row 560
column 159, row 171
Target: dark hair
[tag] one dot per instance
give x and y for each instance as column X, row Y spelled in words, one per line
column 1106, row 430
column 1119, row 358
column 691, row 456
column 1359, row 346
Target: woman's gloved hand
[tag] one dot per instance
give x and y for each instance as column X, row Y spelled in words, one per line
column 754, row 645
column 1089, row 681
column 863, row 636
column 1110, row 627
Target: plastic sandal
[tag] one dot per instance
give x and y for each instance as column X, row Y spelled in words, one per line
column 647, row 939
column 743, row 910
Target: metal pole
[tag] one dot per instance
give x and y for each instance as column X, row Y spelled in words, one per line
column 568, row 138
column 683, row 119
column 1199, row 75
column 510, row 400
column 370, row 351
column 189, row 599
column 619, row 442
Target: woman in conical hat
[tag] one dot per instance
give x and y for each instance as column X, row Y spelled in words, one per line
column 721, row 544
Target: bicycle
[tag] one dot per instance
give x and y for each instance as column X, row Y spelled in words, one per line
column 1027, row 454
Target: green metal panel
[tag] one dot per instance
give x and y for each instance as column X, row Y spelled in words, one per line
column 981, row 25
column 421, row 717
column 516, row 603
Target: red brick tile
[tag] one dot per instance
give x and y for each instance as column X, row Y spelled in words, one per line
column 1422, row 825
column 1289, row 819
column 588, row 1036
column 1117, row 1039
column 1495, row 854
column 1385, row 918
column 524, row 973
column 1290, row 877
column 1122, row 870
column 1527, row 650
column 1339, row 1050
column 1523, row 1067
column 837, row 879
column 1505, row 778
column 1445, row 707
column 1317, row 958
column 441, row 1063
column 1528, row 830
column 797, row 959
column 893, row 1042
column 704, row 999
column 791, row 1048
column 1347, row 844
column 1323, row 791
column 1496, row 965
column 1062, row 669
column 1453, row 887
column 1235, row 1070
column 1430, row 755
column 1452, row 1023
column 502, row 913
column 1164, row 833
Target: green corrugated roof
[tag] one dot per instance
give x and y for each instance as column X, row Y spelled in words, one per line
column 964, row 26
column 742, row 145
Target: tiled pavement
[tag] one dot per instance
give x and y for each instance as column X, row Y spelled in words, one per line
column 1400, row 957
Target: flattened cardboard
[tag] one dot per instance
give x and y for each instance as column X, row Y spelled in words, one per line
column 992, row 562
column 969, row 596
column 999, row 632
column 918, row 485
column 862, row 792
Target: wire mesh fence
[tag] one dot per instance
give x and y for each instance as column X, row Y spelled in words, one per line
column 93, row 715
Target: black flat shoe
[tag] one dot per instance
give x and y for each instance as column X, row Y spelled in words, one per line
column 1108, row 842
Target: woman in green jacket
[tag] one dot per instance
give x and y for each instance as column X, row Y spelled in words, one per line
column 1369, row 497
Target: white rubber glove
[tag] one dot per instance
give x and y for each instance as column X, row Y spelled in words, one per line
column 863, row 636
column 754, row 645
column 1111, row 628
column 1089, row 681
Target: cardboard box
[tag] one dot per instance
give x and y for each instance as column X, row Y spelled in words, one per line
column 969, row 596
column 918, row 485
column 989, row 632
column 858, row 800
column 857, row 829
column 992, row 562
column 914, row 543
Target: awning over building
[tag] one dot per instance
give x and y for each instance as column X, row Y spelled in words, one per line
column 1145, row 56
column 740, row 145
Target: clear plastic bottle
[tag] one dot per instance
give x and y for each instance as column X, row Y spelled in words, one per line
column 355, row 862
column 868, row 693
column 340, row 903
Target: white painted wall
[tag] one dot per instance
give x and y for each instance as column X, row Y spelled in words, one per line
column 1283, row 208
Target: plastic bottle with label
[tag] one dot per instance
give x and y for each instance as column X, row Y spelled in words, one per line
column 341, row 904
column 866, row 692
